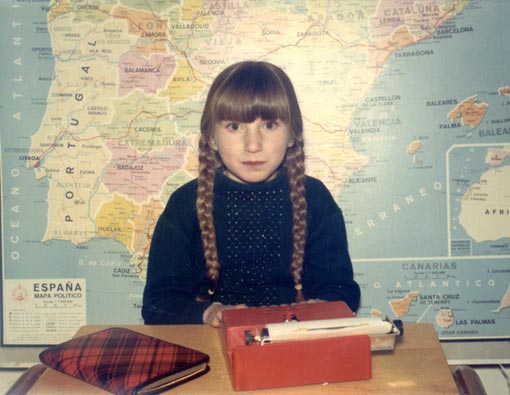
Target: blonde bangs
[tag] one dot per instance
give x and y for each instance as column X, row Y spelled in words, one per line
column 252, row 95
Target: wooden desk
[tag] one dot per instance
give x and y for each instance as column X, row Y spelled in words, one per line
column 417, row 366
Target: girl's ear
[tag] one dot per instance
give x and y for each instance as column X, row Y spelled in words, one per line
column 291, row 142
column 213, row 144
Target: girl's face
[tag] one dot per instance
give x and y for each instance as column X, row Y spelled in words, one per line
column 252, row 152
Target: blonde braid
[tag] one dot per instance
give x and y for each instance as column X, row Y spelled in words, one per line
column 208, row 163
column 296, row 170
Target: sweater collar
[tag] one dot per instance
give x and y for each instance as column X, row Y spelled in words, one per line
column 223, row 182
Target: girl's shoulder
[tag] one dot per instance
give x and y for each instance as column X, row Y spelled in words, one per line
column 180, row 211
column 315, row 186
column 188, row 188
column 184, row 195
column 318, row 196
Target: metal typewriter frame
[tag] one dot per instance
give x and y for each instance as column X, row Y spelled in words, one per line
column 384, row 342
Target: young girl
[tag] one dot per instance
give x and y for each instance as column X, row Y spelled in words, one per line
column 253, row 229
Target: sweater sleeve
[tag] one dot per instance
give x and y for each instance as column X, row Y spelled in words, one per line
column 173, row 278
column 327, row 273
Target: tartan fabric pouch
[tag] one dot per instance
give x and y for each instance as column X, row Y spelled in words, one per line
column 125, row 362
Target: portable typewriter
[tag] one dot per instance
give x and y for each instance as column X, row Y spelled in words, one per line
column 301, row 344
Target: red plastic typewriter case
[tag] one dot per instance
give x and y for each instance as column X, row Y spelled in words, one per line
column 292, row 363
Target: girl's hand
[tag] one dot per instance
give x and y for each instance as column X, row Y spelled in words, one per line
column 213, row 315
column 313, row 301
column 310, row 301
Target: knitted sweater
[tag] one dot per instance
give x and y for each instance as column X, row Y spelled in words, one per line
column 254, row 240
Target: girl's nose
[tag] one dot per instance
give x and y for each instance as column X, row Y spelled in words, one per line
column 253, row 140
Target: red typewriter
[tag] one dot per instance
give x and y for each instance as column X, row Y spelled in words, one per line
column 301, row 344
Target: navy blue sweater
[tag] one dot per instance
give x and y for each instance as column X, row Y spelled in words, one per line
column 254, row 239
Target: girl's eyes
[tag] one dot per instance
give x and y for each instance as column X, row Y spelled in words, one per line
column 236, row 126
column 270, row 125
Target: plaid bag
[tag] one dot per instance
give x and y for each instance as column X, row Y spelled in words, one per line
column 125, row 362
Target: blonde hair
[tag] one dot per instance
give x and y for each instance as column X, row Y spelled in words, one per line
column 244, row 92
